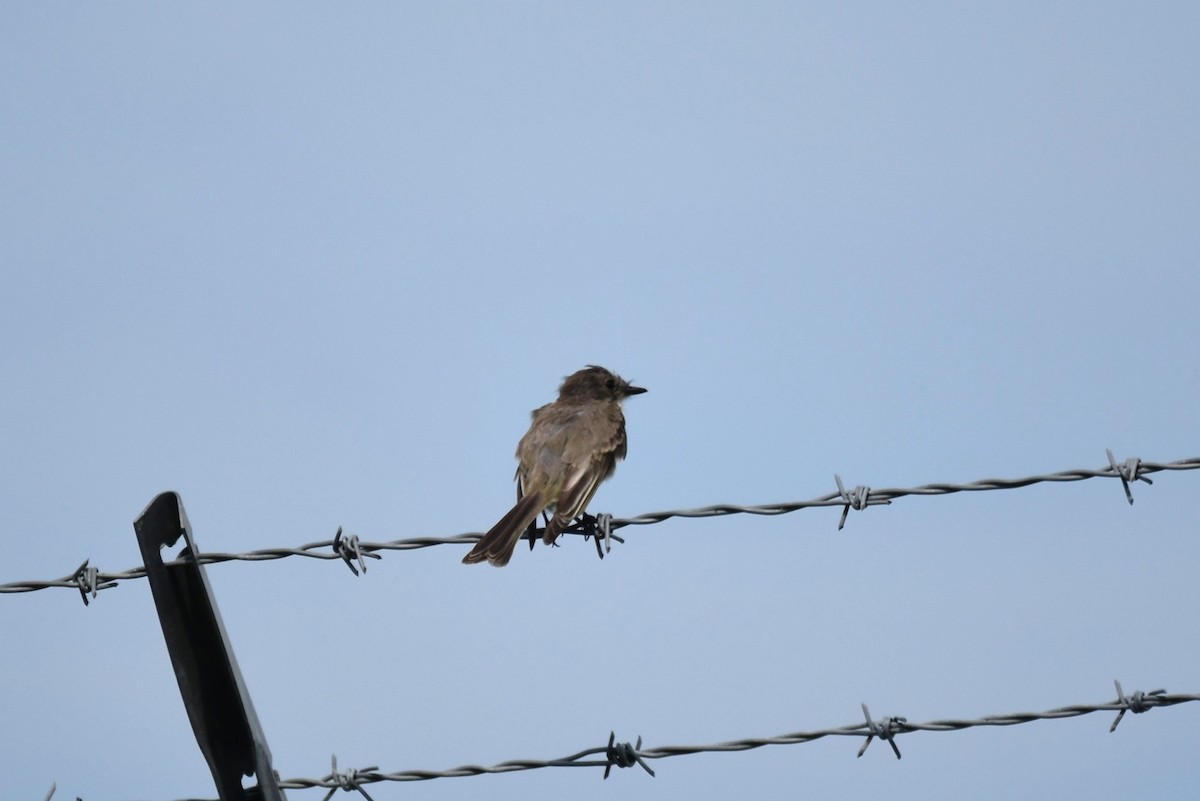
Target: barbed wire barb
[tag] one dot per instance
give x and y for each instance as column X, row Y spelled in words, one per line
column 885, row 729
column 349, row 780
column 604, row 526
column 624, row 755
column 350, row 552
column 1129, row 471
column 859, row 498
column 1137, row 703
column 89, row 581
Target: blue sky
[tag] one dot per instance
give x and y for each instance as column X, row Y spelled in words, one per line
column 312, row 265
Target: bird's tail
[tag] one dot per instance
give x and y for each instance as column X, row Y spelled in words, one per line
column 498, row 544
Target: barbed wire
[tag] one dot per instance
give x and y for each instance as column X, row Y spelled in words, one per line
column 625, row 755
column 89, row 580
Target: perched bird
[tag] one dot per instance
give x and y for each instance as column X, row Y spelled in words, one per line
column 572, row 445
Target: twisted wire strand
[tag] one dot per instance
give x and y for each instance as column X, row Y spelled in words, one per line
column 627, row 755
column 89, row 581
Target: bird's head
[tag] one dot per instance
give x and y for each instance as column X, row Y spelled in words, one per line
column 596, row 383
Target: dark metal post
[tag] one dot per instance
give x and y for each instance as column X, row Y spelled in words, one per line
column 217, row 702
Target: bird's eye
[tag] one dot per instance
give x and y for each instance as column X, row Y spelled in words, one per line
column 611, row 384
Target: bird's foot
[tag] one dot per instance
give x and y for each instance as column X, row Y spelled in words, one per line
column 533, row 534
column 587, row 524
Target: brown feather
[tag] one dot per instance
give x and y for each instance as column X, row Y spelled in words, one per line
column 498, row 544
column 571, row 446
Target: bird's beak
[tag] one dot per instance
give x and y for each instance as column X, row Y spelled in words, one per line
column 634, row 391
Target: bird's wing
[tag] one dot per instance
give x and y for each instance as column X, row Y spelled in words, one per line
column 580, row 486
column 590, row 457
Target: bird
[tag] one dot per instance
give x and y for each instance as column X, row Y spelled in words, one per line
column 572, row 445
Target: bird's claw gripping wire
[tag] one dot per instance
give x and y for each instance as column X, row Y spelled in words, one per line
column 599, row 527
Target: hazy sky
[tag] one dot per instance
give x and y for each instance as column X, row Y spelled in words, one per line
column 312, row 265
